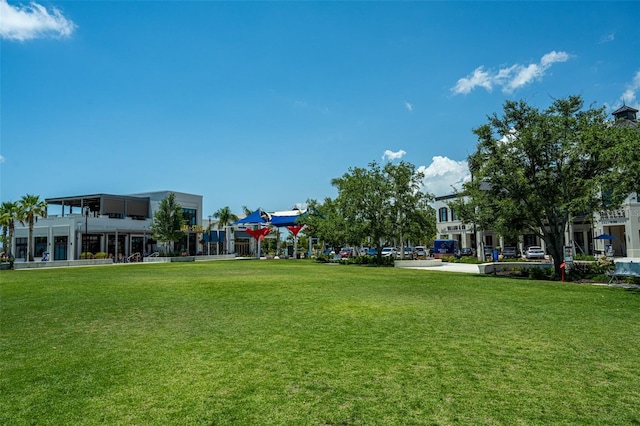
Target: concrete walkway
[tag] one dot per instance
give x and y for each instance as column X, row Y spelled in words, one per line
column 475, row 269
column 450, row 267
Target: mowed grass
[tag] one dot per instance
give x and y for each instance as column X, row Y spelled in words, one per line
column 299, row 343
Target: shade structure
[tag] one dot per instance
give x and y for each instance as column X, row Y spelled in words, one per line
column 605, row 237
column 295, row 229
column 286, row 218
column 258, row 234
column 258, row 216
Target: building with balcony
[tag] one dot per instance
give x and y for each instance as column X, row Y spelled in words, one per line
column 118, row 225
column 622, row 224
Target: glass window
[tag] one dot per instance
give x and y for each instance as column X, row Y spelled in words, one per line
column 443, row 214
column 190, row 216
column 21, row 248
column 454, row 215
column 40, row 246
column 488, row 240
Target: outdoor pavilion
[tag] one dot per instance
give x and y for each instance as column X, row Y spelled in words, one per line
column 265, row 222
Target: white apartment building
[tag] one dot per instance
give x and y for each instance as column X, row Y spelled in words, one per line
column 622, row 224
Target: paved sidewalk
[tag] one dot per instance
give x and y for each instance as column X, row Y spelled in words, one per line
column 473, row 269
column 450, row 267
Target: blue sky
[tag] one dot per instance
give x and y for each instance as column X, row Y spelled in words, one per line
column 263, row 103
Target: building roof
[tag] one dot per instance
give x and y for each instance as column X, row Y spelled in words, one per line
column 624, row 108
column 91, row 200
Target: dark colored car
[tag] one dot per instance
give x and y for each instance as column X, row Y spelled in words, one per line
column 466, row 251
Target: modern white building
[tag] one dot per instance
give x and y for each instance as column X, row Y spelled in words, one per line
column 449, row 226
column 118, row 225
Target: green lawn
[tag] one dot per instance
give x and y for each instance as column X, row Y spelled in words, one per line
column 294, row 342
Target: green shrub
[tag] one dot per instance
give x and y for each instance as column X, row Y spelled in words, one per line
column 602, row 278
column 100, row 255
column 86, row 255
column 538, row 273
column 584, row 257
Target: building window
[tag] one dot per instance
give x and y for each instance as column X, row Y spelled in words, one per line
column 488, row 241
column 607, row 196
column 40, row 246
column 189, row 216
column 454, row 215
column 529, row 240
column 21, row 248
column 443, row 214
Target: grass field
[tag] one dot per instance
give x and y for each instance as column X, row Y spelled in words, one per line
column 294, row 342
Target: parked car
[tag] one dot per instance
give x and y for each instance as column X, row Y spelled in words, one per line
column 509, row 253
column 389, row 251
column 372, row 251
column 346, row 252
column 419, row 252
column 534, row 252
column 488, row 252
column 466, row 251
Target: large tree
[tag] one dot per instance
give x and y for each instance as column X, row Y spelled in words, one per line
column 411, row 218
column 168, row 221
column 225, row 218
column 534, row 170
column 30, row 208
column 325, row 222
column 9, row 211
column 364, row 199
column 380, row 202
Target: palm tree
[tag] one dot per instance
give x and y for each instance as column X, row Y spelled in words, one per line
column 8, row 216
column 30, row 207
column 225, row 217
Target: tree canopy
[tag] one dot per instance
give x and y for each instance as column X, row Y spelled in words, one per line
column 9, row 211
column 30, row 207
column 168, row 221
column 377, row 204
column 534, row 170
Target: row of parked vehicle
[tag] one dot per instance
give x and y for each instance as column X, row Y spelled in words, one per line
column 418, row 252
column 421, row 252
column 532, row 252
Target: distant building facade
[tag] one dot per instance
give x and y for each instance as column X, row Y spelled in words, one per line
column 623, row 224
column 118, row 225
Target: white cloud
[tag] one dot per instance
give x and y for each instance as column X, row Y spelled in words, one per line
column 509, row 78
column 1, row 159
column 409, row 106
column 444, row 174
column 553, row 57
column 31, row 21
column 629, row 95
column 390, row 155
column 607, row 38
column 478, row 78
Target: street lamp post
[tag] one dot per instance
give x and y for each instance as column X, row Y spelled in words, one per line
column 209, row 242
